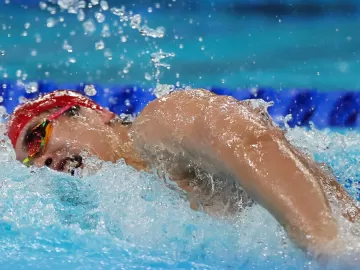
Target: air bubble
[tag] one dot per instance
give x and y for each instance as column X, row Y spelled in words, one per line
column 90, row 90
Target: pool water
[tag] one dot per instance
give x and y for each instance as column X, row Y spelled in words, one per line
column 119, row 218
column 122, row 218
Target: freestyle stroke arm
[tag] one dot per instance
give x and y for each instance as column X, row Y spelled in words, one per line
column 226, row 136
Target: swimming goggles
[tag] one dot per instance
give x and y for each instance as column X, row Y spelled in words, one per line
column 39, row 136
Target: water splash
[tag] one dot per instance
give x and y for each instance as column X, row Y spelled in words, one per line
column 119, row 216
column 157, row 58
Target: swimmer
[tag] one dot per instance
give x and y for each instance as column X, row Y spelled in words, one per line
column 191, row 136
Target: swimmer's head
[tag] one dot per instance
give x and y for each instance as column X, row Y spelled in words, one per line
column 55, row 129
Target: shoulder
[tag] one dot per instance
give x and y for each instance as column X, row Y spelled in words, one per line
column 186, row 99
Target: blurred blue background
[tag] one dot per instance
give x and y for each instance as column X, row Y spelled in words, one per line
column 234, row 44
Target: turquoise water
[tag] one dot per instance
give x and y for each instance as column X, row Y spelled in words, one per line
column 213, row 47
column 119, row 218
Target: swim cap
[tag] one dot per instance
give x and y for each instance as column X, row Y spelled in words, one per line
column 60, row 98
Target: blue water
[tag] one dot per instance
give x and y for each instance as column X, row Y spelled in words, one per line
column 220, row 46
column 120, row 218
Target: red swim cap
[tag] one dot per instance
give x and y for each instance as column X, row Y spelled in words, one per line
column 24, row 113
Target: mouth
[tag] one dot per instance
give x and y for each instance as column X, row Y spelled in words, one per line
column 70, row 164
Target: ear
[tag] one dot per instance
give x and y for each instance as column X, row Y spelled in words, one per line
column 106, row 115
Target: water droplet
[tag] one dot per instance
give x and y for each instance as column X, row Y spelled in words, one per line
column 66, row 4
column 94, row 2
column 1, row 98
column 50, row 22
column 81, row 4
column 67, row 47
column 135, row 21
column 108, row 54
column 72, row 60
column 89, row 26
column 27, row 25
column 2, row 53
column 163, row 89
column 201, row 39
column 104, row 5
column 148, row 76
column 99, row 45
column 157, row 5
column 159, row 32
column 38, row 38
column 90, row 90
column 100, row 17
column 150, row 9
column 123, row 39
column 105, row 32
column 81, row 15
column 42, row 5
column 31, row 87
column 118, row 11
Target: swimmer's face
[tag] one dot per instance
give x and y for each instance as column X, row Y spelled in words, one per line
column 75, row 133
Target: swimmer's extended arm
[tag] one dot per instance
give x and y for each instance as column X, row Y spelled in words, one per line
column 223, row 135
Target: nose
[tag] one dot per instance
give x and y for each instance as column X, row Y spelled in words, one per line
column 46, row 160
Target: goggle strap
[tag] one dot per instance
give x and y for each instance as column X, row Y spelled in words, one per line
column 27, row 161
column 57, row 114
